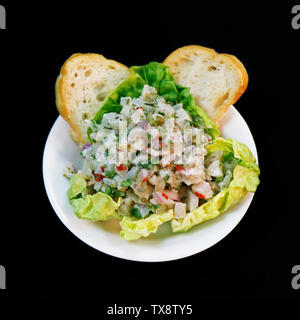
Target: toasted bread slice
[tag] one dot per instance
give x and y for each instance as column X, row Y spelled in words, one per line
column 216, row 80
column 84, row 82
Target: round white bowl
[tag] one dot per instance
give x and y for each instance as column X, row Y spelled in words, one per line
column 104, row 236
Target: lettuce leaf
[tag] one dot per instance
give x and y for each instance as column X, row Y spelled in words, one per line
column 159, row 76
column 131, row 87
column 96, row 207
column 245, row 179
column 133, row 228
column 77, row 186
column 240, row 151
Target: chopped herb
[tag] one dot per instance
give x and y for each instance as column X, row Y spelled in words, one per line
column 110, row 174
column 166, row 178
column 135, row 212
column 219, row 179
column 154, row 206
column 121, row 194
column 109, row 191
column 137, row 152
column 161, row 113
column 106, row 153
column 126, row 183
column 179, row 186
column 114, row 192
column 146, row 165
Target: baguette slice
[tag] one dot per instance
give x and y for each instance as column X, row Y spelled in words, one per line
column 85, row 80
column 216, row 80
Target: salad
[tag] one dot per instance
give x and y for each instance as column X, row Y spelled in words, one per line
column 154, row 156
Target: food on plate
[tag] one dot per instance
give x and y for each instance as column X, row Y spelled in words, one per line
column 151, row 154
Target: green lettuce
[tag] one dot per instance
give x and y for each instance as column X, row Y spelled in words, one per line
column 245, row 179
column 240, row 151
column 207, row 211
column 160, row 77
column 133, row 228
column 96, row 207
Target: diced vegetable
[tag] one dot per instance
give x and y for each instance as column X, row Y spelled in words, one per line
column 202, row 190
column 179, row 210
column 121, row 167
column 98, row 177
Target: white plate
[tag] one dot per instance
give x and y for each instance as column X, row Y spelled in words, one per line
column 104, row 236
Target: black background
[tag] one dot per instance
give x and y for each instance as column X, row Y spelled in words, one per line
column 45, row 260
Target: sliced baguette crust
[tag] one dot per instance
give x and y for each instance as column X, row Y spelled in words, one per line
column 216, row 80
column 85, row 80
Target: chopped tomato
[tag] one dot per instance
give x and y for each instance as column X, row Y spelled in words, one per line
column 102, row 168
column 145, row 179
column 98, row 177
column 179, row 167
column 121, row 167
column 139, row 108
column 165, row 196
column 175, row 123
column 200, row 195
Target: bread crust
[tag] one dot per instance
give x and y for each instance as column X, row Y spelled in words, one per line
column 177, row 59
column 109, row 72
